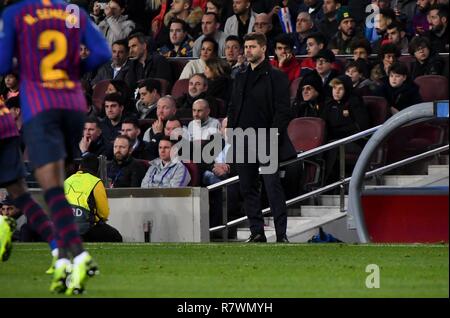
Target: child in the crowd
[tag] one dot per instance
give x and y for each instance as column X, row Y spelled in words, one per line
column 355, row 70
column 399, row 90
column 310, row 97
column 345, row 114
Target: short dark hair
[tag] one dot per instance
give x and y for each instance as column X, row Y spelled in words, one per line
column 388, row 49
column 234, row 38
column 399, row 68
column 140, row 36
column 131, row 120
column 418, row 42
column 121, row 3
column 215, row 44
column 284, row 39
column 442, row 9
column 150, row 84
column 388, row 13
column 355, row 64
column 360, row 43
column 216, row 17
column 396, row 25
column 258, row 37
column 93, row 120
column 183, row 23
column 167, row 138
column 122, row 42
column 319, row 38
column 125, row 137
column 114, row 97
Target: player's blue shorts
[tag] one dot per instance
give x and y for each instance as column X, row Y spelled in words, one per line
column 11, row 166
column 53, row 135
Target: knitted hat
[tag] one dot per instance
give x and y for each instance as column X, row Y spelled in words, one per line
column 343, row 13
column 325, row 54
column 313, row 79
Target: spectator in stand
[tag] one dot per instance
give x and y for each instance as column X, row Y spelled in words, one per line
column 116, row 26
column 361, row 50
column 112, row 124
column 439, row 34
column 341, row 42
column 396, row 34
column 398, row 89
column 216, row 6
column 197, row 89
column 420, row 22
column 145, row 64
column 242, row 21
column 121, row 88
column 97, row 11
column 11, row 88
column 284, row 58
column 263, row 24
column 304, row 27
column 93, row 141
column 184, row 10
column 314, row 8
column 139, row 148
column 124, row 171
column 149, row 94
column 355, row 70
column 210, row 29
column 329, row 25
column 209, row 50
column 234, row 55
column 207, row 125
column 345, row 114
column 388, row 55
column 218, row 73
column 165, row 109
column 310, row 98
column 427, row 61
column 324, row 60
column 118, row 67
column 181, row 43
column 314, row 43
column 167, row 171
column 382, row 19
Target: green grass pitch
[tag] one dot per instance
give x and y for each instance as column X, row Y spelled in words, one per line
column 170, row 270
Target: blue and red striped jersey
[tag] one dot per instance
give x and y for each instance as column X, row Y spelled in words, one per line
column 45, row 37
column 8, row 127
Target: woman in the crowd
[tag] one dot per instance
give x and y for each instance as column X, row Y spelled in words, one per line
column 218, row 71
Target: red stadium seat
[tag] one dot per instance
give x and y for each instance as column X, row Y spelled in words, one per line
column 194, row 172
column 408, row 60
column 293, row 88
column 307, row 133
column 377, row 108
column 432, row 87
column 180, row 88
column 98, row 94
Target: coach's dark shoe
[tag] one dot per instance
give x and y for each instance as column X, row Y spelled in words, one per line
column 256, row 238
column 282, row 239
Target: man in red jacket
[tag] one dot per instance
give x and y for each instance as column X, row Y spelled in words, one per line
column 284, row 58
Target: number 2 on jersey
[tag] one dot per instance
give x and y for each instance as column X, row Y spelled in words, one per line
column 47, row 66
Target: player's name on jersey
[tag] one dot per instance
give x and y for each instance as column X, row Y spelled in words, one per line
column 47, row 14
column 61, row 84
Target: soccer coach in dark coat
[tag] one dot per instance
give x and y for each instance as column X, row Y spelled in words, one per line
column 260, row 99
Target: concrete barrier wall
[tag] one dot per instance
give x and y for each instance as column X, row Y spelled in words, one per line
column 176, row 215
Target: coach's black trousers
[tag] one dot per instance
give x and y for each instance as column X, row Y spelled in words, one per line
column 250, row 187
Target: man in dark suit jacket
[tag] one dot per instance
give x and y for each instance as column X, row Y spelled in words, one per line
column 260, row 99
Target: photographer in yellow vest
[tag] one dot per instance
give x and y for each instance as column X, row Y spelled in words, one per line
column 87, row 196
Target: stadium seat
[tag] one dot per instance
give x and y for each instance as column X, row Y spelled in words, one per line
column 165, row 86
column 432, row 87
column 194, row 172
column 377, row 108
column 98, row 94
column 180, row 88
column 407, row 60
column 293, row 88
column 307, row 133
column 177, row 64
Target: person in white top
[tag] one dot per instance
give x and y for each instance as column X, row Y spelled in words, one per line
column 209, row 49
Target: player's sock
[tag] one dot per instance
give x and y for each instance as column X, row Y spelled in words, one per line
column 63, row 220
column 36, row 218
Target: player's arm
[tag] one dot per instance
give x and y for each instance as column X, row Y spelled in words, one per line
column 96, row 43
column 7, row 36
column 101, row 201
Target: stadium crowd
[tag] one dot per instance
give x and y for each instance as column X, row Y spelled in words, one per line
column 174, row 62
